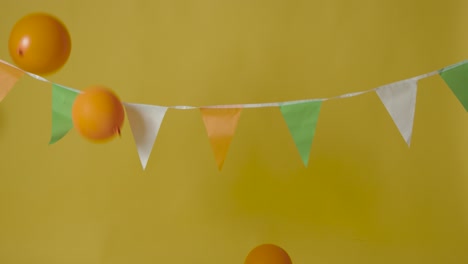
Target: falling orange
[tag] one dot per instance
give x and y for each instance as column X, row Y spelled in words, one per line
column 39, row 43
column 98, row 114
column 268, row 254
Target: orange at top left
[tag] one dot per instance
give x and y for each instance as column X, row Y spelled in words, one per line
column 39, row 43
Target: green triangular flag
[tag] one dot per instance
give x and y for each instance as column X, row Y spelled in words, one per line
column 456, row 77
column 62, row 102
column 301, row 119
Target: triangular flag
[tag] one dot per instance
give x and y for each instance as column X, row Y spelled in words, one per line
column 220, row 124
column 145, row 121
column 456, row 77
column 62, row 103
column 400, row 101
column 301, row 119
column 8, row 77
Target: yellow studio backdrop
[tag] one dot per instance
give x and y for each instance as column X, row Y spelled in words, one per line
column 365, row 197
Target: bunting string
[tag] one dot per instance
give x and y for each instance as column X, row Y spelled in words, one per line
column 300, row 116
column 253, row 105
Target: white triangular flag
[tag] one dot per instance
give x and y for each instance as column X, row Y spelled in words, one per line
column 400, row 100
column 145, row 121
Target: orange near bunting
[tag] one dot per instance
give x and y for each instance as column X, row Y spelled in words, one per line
column 39, row 43
column 98, row 114
column 268, row 254
column 220, row 124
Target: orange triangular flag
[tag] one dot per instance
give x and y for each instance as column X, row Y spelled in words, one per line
column 220, row 124
column 8, row 77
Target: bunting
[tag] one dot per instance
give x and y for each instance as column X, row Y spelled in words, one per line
column 301, row 119
column 8, row 78
column 301, row 116
column 400, row 101
column 220, row 124
column 456, row 78
column 145, row 122
column 62, row 103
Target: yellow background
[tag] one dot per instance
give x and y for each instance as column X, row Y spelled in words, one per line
column 365, row 198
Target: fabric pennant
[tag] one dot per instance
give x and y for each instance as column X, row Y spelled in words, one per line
column 62, row 103
column 220, row 124
column 301, row 119
column 145, row 122
column 8, row 78
column 400, row 101
column 456, row 77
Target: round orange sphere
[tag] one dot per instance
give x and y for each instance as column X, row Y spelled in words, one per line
column 268, row 254
column 39, row 43
column 98, row 114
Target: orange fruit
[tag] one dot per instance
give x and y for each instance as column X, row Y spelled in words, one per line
column 98, row 114
column 268, row 254
column 39, row 43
